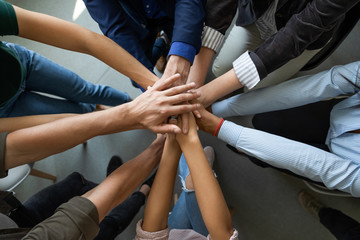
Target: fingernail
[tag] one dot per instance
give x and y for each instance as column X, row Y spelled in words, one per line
column 176, row 130
column 198, row 105
column 192, row 84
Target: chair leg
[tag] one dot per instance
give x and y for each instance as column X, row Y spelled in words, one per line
column 41, row 174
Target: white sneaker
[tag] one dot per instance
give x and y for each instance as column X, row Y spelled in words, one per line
column 210, row 155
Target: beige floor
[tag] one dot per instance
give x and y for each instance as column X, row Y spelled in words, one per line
column 265, row 201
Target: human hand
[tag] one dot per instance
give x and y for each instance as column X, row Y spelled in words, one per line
column 177, row 64
column 192, row 134
column 204, row 98
column 207, row 122
column 153, row 107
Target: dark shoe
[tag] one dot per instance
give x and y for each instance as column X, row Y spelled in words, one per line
column 150, row 180
column 114, row 163
column 310, row 203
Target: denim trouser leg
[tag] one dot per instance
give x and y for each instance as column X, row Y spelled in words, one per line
column 121, row 216
column 186, row 213
column 44, row 203
column 339, row 224
column 46, row 76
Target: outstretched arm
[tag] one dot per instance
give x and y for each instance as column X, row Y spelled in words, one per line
column 339, row 80
column 66, row 35
column 211, row 201
column 149, row 110
column 83, row 214
column 304, row 160
column 15, row 123
column 158, row 204
column 123, row 181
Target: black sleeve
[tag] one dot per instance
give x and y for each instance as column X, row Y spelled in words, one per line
column 219, row 14
column 302, row 29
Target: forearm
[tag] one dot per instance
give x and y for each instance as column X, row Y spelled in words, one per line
column 66, row 35
column 106, row 50
column 219, row 87
column 297, row 157
column 199, row 69
column 211, row 201
column 123, row 181
column 16, row 123
column 35, row 143
column 158, row 204
column 293, row 93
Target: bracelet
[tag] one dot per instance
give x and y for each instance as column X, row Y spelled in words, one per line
column 219, row 126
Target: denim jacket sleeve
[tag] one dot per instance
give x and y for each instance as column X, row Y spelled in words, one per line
column 293, row 93
column 301, row 31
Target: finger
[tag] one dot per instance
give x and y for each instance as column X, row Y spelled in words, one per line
column 163, row 84
column 173, row 120
column 179, row 89
column 197, row 114
column 166, row 128
column 180, row 109
column 183, row 97
column 185, row 123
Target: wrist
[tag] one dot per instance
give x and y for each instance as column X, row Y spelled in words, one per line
column 190, row 139
column 129, row 113
column 216, row 132
column 213, row 124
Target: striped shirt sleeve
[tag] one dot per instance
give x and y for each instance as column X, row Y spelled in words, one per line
column 212, row 38
column 246, row 71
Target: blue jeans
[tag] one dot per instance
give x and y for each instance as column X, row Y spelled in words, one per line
column 124, row 24
column 45, row 76
column 186, row 213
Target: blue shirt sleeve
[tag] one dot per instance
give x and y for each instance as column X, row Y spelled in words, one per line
column 183, row 50
column 302, row 159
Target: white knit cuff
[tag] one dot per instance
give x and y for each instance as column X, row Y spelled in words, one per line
column 246, row 71
column 212, row 39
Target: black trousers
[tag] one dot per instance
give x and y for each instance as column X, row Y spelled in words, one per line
column 44, row 204
column 307, row 124
column 339, row 224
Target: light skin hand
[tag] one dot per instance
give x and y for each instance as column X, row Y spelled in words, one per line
column 177, row 64
column 156, row 104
